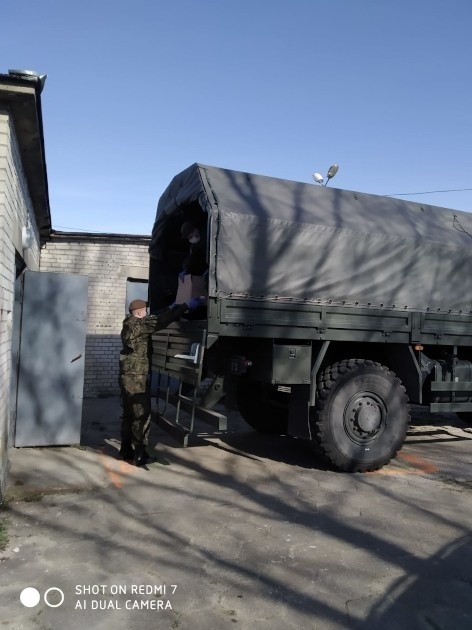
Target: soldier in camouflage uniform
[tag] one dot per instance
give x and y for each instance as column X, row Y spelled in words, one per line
column 134, row 374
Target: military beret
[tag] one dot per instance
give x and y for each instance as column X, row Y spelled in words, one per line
column 135, row 304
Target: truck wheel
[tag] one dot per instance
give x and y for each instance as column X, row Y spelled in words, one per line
column 262, row 407
column 361, row 415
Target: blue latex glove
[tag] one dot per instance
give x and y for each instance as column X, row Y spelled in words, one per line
column 182, row 275
column 195, row 303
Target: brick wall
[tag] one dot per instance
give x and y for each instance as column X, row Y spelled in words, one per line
column 15, row 212
column 108, row 261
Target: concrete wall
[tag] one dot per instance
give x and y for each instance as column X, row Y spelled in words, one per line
column 16, row 211
column 108, row 261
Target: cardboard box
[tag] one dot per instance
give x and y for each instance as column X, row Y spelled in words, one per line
column 192, row 286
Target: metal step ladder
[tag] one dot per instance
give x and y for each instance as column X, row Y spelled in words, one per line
column 177, row 359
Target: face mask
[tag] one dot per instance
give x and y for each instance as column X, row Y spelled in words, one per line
column 193, row 240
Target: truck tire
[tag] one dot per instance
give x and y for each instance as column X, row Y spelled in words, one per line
column 361, row 415
column 262, row 407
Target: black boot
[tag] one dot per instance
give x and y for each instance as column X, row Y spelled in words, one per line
column 140, row 456
column 127, row 452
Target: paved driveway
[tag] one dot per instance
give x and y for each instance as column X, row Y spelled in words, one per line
column 239, row 531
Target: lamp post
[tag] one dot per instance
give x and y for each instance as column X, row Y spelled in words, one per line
column 319, row 179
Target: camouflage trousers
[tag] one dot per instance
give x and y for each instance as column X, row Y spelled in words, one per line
column 136, row 399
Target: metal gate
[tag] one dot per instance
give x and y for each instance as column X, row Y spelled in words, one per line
column 51, row 359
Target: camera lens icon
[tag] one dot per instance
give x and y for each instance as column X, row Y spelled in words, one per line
column 30, row 597
column 53, row 597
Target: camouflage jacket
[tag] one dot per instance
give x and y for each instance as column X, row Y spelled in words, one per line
column 136, row 338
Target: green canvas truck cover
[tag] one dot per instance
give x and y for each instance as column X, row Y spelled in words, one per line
column 275, row 239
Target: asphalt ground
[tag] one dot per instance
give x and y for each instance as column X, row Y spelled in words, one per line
column 240, row 530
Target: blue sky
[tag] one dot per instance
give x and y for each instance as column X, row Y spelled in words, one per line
column 138, row 90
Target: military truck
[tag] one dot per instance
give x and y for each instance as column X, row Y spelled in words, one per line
column 327, row 311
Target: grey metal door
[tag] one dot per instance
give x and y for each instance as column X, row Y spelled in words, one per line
column 51, row 364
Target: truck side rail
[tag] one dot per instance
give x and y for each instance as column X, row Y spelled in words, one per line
column 264, row 318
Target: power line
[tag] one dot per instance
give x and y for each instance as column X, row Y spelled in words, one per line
column 63, row 227
column 428, row 192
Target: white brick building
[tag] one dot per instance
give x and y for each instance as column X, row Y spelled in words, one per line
column 25, row 224
column 117, row 266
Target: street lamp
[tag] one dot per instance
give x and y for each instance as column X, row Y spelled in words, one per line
column 319, row 179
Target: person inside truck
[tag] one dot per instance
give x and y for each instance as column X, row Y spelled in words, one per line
column 136, row 333
column 195, row 262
